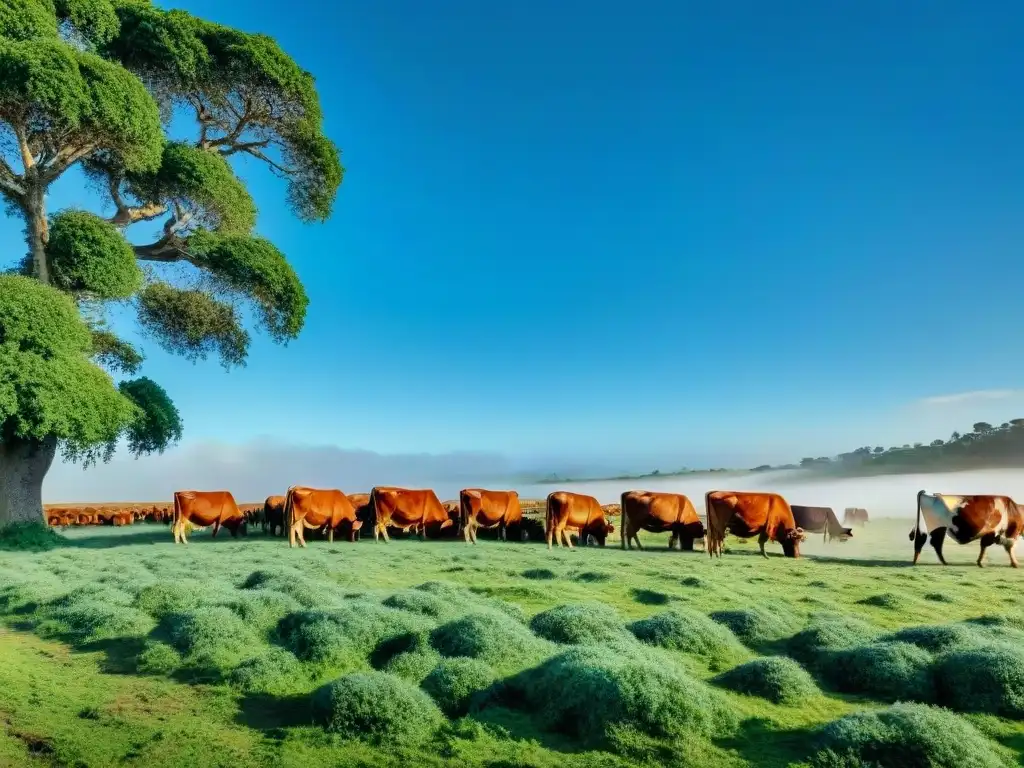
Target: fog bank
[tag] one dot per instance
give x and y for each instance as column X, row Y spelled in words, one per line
column 882, row 496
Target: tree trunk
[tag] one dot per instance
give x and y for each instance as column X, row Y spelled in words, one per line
column 23, row 465
column 37, row 232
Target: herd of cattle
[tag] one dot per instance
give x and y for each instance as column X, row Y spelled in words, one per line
column 768, row 516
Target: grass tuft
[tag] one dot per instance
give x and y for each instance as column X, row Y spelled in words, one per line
column 828, row 632
column 778, row 679
column 275, row 672
column 760, row 624
column 30, row 537
column 579, row 623
column 686, row 630
column 377, row 708
column 490, row 636
column 453, row 683
column 984, row 679
column 891, row 671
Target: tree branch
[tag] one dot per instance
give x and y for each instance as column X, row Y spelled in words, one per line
column 165, row 250
column 26, row 152
column 9, row 181
column 244, row 147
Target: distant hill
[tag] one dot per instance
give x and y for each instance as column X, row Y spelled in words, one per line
column 984, row 447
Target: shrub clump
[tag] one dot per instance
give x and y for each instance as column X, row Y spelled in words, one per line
column 29, row 537
column 579, row 623
column 376, row 707
column 984, row 679
column 96, row 614
column 904, row 735
column 686, row 630
column 263, row 609
column 418, row 601
column 157, row 659
column 778, row 679
column 891, row 671
column 540, row 574
column 413, row 665
column 210, row 636
column 583, row 690
column 759, row 624
column 315, row 637
column 938, row 637
column 828, row 632
column 162, row 599
column 307, row 592
column 273, row 672
column 454, row 682
column 490, row 636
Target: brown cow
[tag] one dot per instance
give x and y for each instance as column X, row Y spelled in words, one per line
column 855, row 516
column 404, row 508
column 317, row 508
column 821, row 520
column 574, row 510
column 744, row 514
column 990, row 519
column 660, row 512
column 273, row 514
column 480, row 508
column 203, row 508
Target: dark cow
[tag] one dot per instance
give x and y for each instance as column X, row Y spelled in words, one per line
column 480, row 508
column 657, row 513
column 766, row 515
column 273, row 514
column 821, row 520
column 406, row 509
column 574, row 510
column 364, row 510
column 855, row 516
column 203, row 508
column 989, row 519
column 317, row 508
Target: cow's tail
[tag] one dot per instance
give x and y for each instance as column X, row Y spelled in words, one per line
column 716, row 527
column 176, row 516
column 373, row 510
column 549, row 519
column 917, row 523
column 623, row 532
column 289, row 510
column 464, row 513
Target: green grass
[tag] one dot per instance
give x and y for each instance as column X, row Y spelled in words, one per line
column 120, row 648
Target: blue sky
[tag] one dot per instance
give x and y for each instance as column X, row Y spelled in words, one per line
column 644, row 232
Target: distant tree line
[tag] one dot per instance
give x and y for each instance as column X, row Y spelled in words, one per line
column 984, row 446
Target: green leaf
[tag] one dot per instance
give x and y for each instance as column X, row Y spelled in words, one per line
column 192, row 324
column 88, row 255
column 60, row 91
column 115, row 354
column 254, row 267
column 94, row 22
column 204, row 184
column 49, row 387
column 159, row 423
column 27, row 20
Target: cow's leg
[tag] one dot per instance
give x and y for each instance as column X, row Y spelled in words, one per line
column 938, row 537
column 216, row 527
column 919, row 542
column 502, row 534
column 176, row 530
column 986, row 541
column 472, row 533
column 761, row 541
column 330, row 533
column 634, row 536
column 1008, row 546
column 565, row 536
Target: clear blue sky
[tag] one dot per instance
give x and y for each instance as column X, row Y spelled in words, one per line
column 642, row 231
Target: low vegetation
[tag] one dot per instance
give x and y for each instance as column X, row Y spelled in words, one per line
column 440, row 654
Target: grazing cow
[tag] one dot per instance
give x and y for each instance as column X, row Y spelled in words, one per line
column 404, row 508
column 574, row 510
column 990, row 519
column 855, row 516
column 273, row 514
column 660, row 512
column 480, row 508
column 203, row 508
column 316, row 508
column 745, row 514
column 821, row 520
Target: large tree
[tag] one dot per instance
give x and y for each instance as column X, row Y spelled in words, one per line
column 149, row 109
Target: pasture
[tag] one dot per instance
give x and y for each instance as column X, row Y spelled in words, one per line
column 123, row 649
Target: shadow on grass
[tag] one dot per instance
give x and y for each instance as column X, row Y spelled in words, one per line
column 650, row 597
column 274, row 714
column 762, row 743
column 120, row 654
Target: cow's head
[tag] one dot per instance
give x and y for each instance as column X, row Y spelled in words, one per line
column 601, row 533
column 790, row 541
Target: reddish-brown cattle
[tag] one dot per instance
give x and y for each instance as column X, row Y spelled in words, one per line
column 766, row 515
column 203, row 508
column 403, row 508
column 658, row 513
column 480, row 508
column 273, row 514
column 855, row 516
column 317, row 508
column 990, row 519
column 574, row 510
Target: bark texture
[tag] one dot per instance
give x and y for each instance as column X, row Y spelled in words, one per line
column 23, row 466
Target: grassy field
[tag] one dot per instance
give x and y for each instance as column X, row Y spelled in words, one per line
column 122, row 649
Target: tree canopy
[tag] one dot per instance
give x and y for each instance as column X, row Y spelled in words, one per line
column 96, row 85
